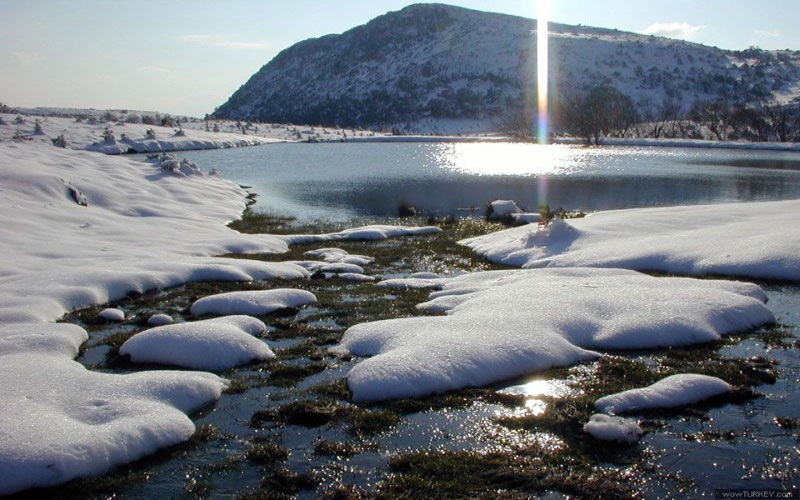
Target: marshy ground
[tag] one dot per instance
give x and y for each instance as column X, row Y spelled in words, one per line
column 288, row 427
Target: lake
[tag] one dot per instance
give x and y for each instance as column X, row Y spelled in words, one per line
column 340, row 181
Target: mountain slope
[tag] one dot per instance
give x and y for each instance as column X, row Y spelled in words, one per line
column 432, row 64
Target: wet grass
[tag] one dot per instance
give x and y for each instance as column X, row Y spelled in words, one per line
column 490, row 475
column 265, row 453
column 323, row 411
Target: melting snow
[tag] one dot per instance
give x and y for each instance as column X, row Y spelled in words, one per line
column 676, row 390
column 213, row 344
column 504, row 324
column 756, row 240
column 255, row 302
column 610, row 428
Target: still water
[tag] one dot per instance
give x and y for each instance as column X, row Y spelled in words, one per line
column 346, row 180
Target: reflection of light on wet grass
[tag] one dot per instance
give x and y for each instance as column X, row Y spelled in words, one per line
column 534, row 388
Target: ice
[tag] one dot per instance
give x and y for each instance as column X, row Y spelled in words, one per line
column 254, row 302
column 755, row 240
column 504, row 324
column 610, row 428
column 213, row 344
column 675, row 390
column 61, row 421
column 112, row 314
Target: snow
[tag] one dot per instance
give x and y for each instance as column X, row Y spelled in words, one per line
column 88, row 133
column 160, row 320
column 372, row 232
column 213, row 344
column 336, row 255
column 502, row 208
column 112, row 314
column 61, row 421
column 608, row 428
column 754, row 240
column 670, row 392
column 526, row 218
column 412, row 282
column 79, row 229
column 141, row 229
column 356, row 277
column 254, row 302
column 504, row 324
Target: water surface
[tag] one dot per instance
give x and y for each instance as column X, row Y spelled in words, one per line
column 346, row 180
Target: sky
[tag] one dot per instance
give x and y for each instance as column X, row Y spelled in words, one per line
column 188, row 56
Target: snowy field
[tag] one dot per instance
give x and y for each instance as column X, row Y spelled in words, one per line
column 87, row 129
column 78, row 229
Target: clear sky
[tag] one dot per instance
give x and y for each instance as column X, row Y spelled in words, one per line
column 188, row 56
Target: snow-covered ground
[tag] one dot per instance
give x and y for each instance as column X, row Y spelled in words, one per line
column 754, row 240
column 79, row 228
column 91, row 133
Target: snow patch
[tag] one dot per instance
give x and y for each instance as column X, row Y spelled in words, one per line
column 754, row 240
column 610, row 428
column 61, row 421
column 213, row 344
column 670, row 392
column 254, row 303
column 112, row 314
column 505, row 324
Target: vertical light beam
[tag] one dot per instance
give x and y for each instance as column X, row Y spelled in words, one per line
column 541, row 69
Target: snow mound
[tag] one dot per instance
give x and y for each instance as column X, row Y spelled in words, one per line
column 755, row 240
column 339, row 255
column 254, row 303
column 356, row 277
column 340, row 267
column 160, row 320
column 411, row 283
column 374, row 232
column 505, row 324
column 214, row 344
column 112, row 314
column 499, row 209
column 670, row 392
column 92, row 421
column 610, row 428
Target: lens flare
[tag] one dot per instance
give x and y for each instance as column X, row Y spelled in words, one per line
column 542, row 11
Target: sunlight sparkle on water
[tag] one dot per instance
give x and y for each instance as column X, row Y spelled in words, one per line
column 509, row 158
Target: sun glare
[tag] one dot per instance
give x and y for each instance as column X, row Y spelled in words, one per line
column 542, row 14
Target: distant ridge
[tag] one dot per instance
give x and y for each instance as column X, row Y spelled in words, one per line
column 439, row 68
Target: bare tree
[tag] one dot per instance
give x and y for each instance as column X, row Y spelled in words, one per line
column 717, row 116
column 658, row 119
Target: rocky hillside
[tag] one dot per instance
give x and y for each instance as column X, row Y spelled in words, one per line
column 438, row 68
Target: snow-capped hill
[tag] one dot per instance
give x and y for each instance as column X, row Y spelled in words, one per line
column 429, row 64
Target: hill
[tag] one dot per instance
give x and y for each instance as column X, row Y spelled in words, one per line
column 439, row 68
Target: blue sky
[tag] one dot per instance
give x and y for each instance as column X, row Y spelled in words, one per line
column 188, row 56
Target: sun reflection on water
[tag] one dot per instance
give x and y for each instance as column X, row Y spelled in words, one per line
column 512, row 159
